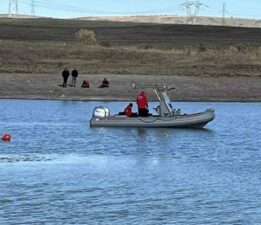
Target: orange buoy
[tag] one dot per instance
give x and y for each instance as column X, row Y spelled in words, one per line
column 6, row 137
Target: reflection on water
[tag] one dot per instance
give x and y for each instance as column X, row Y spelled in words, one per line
column 63, row 172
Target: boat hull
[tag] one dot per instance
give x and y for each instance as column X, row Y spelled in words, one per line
column 196, row 120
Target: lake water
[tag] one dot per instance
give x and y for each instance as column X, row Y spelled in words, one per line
column 58, row 170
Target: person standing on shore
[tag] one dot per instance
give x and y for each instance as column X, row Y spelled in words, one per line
column 65, row 75
column 74, row 77
column 142, row 102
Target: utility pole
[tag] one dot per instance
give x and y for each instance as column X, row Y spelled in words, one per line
column 32, row 8
column 13, row 8
column 223, row 14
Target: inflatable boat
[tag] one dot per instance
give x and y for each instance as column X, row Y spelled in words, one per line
column 166, row 117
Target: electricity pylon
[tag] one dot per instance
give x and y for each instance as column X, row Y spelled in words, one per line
column 192, row 8
column 13, row 8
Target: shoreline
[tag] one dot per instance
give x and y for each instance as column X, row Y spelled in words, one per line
column 112, row 99
column 187, row 88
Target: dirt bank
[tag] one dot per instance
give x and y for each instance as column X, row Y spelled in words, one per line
column 187, row 88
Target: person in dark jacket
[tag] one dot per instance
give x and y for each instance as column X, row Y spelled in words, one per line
column 65, row 75
column 105, row 83
column 74, row 77
column 142, row 102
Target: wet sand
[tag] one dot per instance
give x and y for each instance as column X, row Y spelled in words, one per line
column 187, row 88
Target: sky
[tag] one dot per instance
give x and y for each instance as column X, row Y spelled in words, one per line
column 80, row 8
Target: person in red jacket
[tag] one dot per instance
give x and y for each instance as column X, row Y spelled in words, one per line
column 142, row 102
column 85, row 84
column 128, row 110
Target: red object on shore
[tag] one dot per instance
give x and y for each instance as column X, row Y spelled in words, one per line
column 6, row 137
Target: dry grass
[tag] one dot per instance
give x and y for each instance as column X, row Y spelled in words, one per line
column 25, row 57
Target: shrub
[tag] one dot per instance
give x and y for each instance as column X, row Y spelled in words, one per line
column 202, row 48
column 87, row 37
column 146, row 47
column 105, row 44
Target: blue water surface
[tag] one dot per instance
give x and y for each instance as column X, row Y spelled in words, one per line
column 58, row 170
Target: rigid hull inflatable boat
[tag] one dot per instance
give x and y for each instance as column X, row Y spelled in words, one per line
column 167, row 116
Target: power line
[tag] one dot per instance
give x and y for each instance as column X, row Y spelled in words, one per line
column 52, row 5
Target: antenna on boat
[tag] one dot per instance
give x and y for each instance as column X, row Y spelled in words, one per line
column 162, row 87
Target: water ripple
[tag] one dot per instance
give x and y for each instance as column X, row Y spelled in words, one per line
column 58, row 170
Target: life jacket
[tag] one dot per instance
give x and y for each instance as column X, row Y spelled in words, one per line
column 128, row 111
column 85, row 83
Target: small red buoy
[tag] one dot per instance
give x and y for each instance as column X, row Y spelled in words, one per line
column 6, row 137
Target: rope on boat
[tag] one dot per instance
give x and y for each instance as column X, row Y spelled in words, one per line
column 144, row 121
column 172, row 118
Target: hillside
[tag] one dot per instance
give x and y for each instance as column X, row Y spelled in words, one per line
column 200, row 20
column 47, row 45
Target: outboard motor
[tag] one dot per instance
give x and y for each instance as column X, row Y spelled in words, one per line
column 101, row 111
